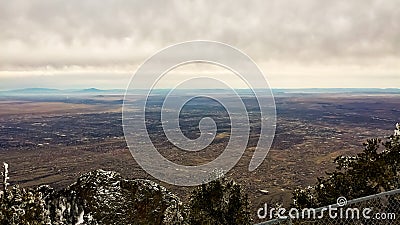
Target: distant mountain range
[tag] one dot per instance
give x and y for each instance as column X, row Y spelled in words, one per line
column 46, row 91
column 96, row 91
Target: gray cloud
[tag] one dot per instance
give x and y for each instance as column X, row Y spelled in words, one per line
column 119, row 33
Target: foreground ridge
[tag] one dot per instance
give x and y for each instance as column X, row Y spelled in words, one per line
column 97, row 197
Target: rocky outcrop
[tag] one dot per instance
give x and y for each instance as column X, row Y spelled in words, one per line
column 104, row 197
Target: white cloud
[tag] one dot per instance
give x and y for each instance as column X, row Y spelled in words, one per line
column 345, row 38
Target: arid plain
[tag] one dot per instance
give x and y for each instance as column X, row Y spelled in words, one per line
column 52, row 140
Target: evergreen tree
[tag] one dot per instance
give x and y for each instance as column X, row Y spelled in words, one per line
column 220, row 201
column 374, row 170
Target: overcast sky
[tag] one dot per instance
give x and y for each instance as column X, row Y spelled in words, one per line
column 307, row 43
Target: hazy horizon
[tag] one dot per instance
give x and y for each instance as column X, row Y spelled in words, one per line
column 122, row 89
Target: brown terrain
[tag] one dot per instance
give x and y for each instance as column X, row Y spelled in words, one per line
column 54, row 141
